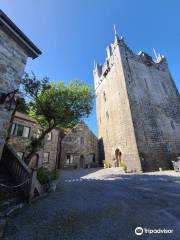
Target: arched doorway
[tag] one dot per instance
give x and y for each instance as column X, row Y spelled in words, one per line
column 81, row 161
column 117, row 157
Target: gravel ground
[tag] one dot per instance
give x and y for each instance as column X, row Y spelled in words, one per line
column 102, row 204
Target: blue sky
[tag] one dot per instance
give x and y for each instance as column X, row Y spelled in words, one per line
column 72, row 33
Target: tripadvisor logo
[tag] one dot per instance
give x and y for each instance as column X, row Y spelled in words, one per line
column 139, row 231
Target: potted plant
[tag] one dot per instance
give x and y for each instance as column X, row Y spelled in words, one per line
column 48, row 178
column 123, row 166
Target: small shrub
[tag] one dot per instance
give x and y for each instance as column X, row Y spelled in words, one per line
column 122, row 164
column 44, row 175
column 54, row 175
column 106, row 164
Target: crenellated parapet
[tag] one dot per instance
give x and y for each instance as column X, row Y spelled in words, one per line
column 101, row 71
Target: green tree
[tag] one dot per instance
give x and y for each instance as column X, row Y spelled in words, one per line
column 57, row 105
column 22, row 105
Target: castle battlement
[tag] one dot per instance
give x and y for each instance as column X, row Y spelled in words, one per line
column 100, row 71
column 137, row 106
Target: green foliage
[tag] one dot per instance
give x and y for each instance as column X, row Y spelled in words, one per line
column 44, row 175
column 32, row 86
column 56, row 105
column 22, row 105
column 63, row 105
column 123, row 164
column 106, row 164
column 54, row 175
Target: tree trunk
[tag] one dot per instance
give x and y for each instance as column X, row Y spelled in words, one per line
column 36, row 144
column 58, row 161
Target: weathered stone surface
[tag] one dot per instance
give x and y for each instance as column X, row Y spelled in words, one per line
column 138, row 109
column 15, row 47
column 19, row 143
column 12, row 59
column 81, row 145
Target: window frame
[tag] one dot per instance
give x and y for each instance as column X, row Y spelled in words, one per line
column 82, row 140
column 16, row 126
column 13, row 126
column 29, row 128
column 46, row 162
column 69, row 159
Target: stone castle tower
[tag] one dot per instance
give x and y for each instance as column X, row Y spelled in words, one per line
column 138, row 108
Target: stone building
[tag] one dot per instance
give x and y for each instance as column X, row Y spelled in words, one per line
column 15, row 48
column 23, row 128
column 138, row 108
column 79, row 148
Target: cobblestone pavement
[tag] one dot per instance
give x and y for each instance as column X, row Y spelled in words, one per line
column 101, row 204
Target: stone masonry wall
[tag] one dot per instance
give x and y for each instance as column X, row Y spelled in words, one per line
column 138, row 108
column 12, row 63
column 71, row 145
column 19, row 143
column 155, row 107
column 114, row 120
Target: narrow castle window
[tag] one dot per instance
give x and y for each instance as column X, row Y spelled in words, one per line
column 164, row 87
column 107, row 115
column 146, row 82
column 172, row 125
column 104, row 95
column 82, row 140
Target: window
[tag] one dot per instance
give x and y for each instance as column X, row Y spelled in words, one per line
column 164, row 87
column 49, row 136
column 46, row 157
column 82, row 140
column 107, row 115
column 13, row 128
column 69, row 159
column 146, row 83
column 20, row 130
column 172, row 125
column 104, row 95
column 26, row 131
column 20, row 155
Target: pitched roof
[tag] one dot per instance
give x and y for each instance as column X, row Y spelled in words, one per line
column 12, row 30
column 24, row 116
